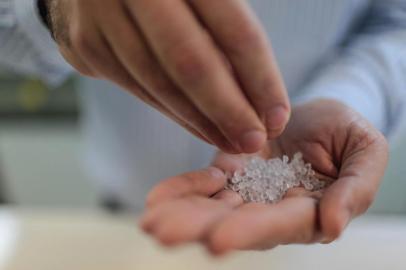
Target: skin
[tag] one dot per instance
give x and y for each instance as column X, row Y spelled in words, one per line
column 206, row 64
column 338, row 142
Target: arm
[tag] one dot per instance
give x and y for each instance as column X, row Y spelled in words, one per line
column 368, row 71
column 25, row 44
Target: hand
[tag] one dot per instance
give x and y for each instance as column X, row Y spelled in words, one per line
column 205, row 64
column 339, row 144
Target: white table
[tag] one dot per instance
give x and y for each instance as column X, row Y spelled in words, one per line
column 54, row 240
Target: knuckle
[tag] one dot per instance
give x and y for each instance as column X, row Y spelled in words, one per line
column 244, row 37
column 187, row 64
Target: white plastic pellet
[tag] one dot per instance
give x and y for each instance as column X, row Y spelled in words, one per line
column 267, row 181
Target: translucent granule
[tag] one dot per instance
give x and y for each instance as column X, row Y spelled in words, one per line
column 267, row 181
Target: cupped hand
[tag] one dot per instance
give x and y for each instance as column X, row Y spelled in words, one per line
column 206, row 64
column 337, row 141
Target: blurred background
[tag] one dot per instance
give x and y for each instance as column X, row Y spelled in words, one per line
column 41, row 158
column 40, row 145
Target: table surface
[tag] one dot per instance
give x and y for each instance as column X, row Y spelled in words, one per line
column 50, row 240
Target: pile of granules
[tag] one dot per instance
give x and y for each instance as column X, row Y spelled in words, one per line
column 267, row 181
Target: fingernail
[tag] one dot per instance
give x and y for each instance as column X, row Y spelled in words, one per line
column 252, row 141
column 277, row 118
column 325, row 241
column 216, row 173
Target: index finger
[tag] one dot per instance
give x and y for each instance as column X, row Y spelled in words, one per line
column 242, row 39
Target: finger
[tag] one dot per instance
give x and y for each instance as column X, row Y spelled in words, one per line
column 229, row 163
column 261, row 226
column 205, row 182
column 351, row 195
column 97, row 59
column 128, row 44
column 195, row 64
column 95, row 53
column 94, row 58
column 242, row 39
column 187, row 219
column 315, row 154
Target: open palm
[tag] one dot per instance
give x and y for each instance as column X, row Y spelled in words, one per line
column 337, row 141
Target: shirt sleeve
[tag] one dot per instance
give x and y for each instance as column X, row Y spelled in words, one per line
column 368, row 72
column 26, row 46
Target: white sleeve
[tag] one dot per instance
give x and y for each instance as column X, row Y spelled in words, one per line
column 369, row 72
column 26, row 46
